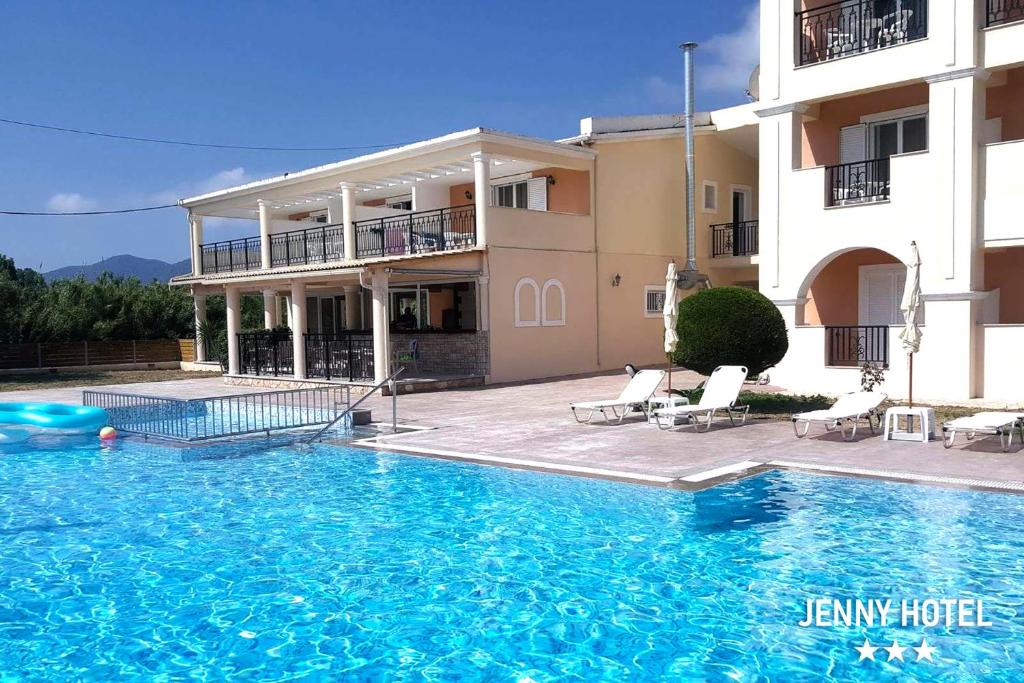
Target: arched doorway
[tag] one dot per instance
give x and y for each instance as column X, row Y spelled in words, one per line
column 855, row 295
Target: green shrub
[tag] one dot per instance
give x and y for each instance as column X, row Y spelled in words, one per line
column 729, row 326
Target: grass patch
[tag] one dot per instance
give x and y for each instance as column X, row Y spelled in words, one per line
column 783, row 406
column 57, row 380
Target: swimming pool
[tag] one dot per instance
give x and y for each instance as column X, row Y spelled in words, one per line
column 139, row 561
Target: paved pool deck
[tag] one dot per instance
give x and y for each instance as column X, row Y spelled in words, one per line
column 530, row 425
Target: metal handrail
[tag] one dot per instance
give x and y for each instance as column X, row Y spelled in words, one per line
column 352, row 406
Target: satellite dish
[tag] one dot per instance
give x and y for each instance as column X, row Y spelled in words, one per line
column 754, row 84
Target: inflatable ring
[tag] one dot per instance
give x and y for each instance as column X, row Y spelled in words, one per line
column 54, row 416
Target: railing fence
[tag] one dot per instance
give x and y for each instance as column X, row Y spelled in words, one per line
column 1003, row 12
column 854, row 26
column 857, row 182
column 418, row 232
column 321, row 244
column 339, row 356
column 734, row 239
column 210, row 418
column 232, row 255
column 852, row 345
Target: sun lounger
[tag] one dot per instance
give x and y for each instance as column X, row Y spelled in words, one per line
column 721, row 392
column 634, row 397
column 990, row 423
column 849, row 409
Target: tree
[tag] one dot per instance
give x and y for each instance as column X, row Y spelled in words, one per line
column 729, row 326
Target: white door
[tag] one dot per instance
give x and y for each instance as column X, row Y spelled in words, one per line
column 881, row 289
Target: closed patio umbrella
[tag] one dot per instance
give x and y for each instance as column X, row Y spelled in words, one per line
column 670, row 312
column 911, row 334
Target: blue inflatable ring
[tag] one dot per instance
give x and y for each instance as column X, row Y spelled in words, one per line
column 55, row 416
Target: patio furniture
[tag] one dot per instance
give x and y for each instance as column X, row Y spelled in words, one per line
column 848, row 409
column 839, row 42
column 633, row 398
column 721, row 392
column 895, row 27
column 407, row 357
column 659, row 402
column 990, row 423
column 924, row 430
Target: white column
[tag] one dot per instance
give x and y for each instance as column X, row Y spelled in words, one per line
column 266, row 217
column 297, row 321
column 200, row 310
column 348, row 216
column 195, row 224
column 780, row 150
column 481, row 193
column 353, row 308
column 956, row 113
column 381, row 347
column 269, row 309
column 233, row 298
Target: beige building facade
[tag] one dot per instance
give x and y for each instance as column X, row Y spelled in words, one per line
column 479, row 255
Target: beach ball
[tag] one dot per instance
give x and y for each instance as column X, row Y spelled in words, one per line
column 108, row 434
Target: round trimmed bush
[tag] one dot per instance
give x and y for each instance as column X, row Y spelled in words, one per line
column 729, row 326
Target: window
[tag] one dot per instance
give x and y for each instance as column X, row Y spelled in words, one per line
column 552, row 304
column 526, row 193
column 710, row 196
column 403, row 203
column 654, row 301
column 527, row 303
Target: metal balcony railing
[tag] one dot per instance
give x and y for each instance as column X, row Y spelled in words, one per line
column 734, row 239
column 342, row 355
column 851, row 27
column 231, row 255
column 321, row 244
column 857, row 182
column 416, row 233
column 853, row 345
column 1003, row 12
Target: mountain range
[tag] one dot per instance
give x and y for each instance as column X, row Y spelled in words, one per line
column 146, row 269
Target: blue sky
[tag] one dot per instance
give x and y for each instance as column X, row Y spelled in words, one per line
column 306, row 73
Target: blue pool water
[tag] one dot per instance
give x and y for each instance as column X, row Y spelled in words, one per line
column 147, row 562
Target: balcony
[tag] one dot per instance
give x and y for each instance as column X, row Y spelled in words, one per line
column 420, row 232
column 321, row 244
column 855, row 345
column 857, row 183
column 843, row 29
column 734, row 239
column 998, row 12
column 231, row 255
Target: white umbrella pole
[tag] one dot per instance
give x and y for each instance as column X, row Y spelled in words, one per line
column 910, row 389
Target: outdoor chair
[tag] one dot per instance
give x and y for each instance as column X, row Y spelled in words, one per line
column 721, row 392
column 989, row 423
column 633, row 398
column 408, row 357
column 850, row 409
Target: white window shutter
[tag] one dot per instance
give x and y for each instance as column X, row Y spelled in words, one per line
column 853, row 143
column 537, row 193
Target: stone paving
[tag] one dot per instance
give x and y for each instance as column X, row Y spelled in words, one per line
column 532, row 421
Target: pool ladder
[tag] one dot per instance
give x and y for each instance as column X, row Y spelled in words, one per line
column 388, row 382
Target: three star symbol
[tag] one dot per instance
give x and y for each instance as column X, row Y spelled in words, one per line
column 867, row 651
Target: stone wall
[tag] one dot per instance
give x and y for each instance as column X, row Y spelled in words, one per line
column 452, row 353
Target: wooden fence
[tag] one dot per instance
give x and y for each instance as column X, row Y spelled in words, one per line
column 79, row 354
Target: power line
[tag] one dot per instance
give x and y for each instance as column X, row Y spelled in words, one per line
column 186, row 143
column 88, row 213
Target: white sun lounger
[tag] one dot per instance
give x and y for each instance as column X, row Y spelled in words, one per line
column 849, row 409
column 634, row 397
column 992, row 423
column 721, row 392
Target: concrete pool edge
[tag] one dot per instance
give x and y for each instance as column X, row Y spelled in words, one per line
column 705, row 478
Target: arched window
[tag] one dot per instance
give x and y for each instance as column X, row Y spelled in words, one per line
column 527, row 303
column 552, row 299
